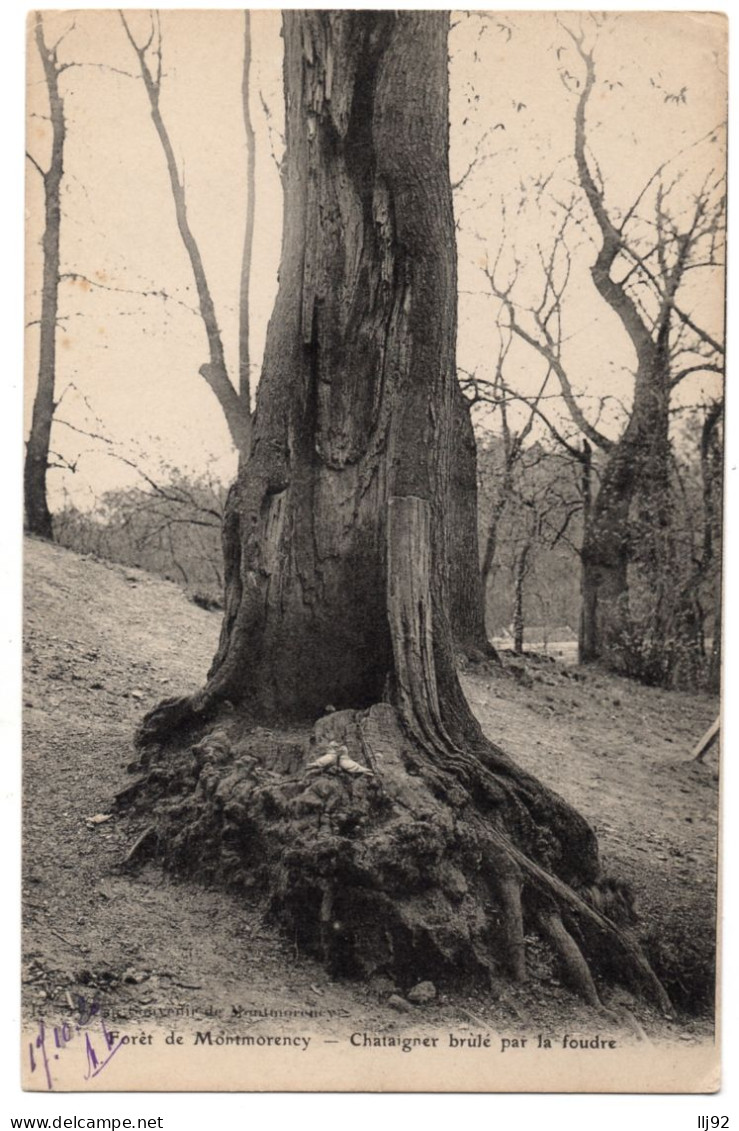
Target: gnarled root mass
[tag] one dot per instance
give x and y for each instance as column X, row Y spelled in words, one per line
column 373, row 865
column 394, row 839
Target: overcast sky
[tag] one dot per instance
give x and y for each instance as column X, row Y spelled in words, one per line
column 128, row 363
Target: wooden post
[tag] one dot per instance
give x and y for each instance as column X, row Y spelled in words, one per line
column 701, row 748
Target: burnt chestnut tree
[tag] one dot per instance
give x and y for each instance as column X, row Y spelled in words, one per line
column 385, row 832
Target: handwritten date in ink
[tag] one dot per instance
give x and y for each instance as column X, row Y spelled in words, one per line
column 99, row 1046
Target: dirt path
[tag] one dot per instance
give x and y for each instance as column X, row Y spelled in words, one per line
column 103, row 643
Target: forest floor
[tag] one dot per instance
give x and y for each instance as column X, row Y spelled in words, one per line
column 103, row 643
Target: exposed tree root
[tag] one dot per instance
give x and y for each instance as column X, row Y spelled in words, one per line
column 576, row 970
column 143, row 848
column 372, row 873
column 508, row 885
column 394, row 839
column 172, row 718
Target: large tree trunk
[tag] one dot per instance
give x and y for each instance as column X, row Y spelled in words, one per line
column 387, row 850
column 627, row 620
column 627, row 542
column 37, row 514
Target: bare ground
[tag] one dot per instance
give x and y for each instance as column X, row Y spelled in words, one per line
column 103, row 643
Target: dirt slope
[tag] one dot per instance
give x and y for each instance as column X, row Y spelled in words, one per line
column 103, row 643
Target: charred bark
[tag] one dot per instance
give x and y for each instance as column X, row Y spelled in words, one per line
column 381, row 833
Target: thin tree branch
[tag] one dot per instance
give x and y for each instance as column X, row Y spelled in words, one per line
column 598, row 438
column 706, row 368
column 99, row 67
column 76, row 276
column 214, row 371
column 36, row 165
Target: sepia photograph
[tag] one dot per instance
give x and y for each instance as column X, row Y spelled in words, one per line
column 373, row 491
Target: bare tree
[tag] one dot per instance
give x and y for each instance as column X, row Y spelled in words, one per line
column 513, row 465
column 234, row 404
column 669, row 345
column 246, row 257
column 537, row 532
column 643, row 260
column 170, row 526
column 37, row 514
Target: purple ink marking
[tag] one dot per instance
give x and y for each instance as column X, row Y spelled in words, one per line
column 86, row 1010
column 40, row 1045
column 94, row 1065
column 96, row 1058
